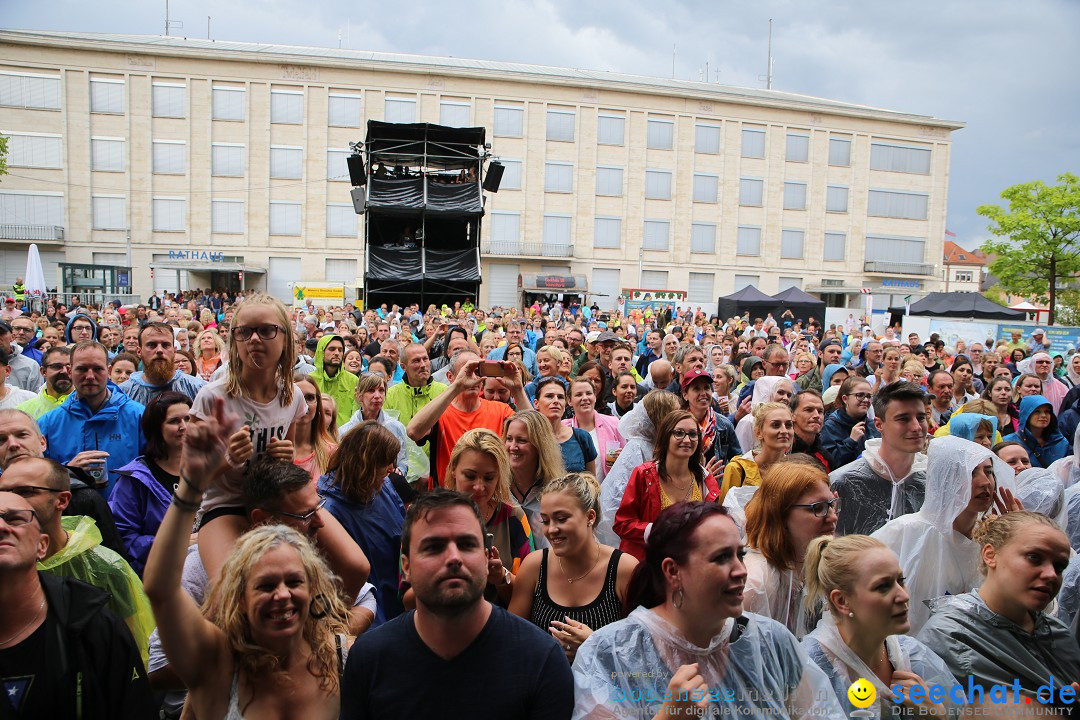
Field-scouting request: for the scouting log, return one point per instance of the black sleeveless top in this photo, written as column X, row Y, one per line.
column 604, row 610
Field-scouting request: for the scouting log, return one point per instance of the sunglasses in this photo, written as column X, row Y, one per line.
column 822, row 507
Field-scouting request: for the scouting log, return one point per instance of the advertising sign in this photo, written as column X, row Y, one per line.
column 322, row 294
column 1061, row 337
column 651, row 302
column 970, row 331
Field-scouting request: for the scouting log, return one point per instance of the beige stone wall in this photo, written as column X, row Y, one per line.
column 140, row 65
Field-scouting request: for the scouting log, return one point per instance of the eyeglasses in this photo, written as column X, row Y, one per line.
column 17, row 518
column 822, row 507
column 80, row 328
column 862, row 396
column 243, row 333
column 306, row 517
column 680, row 434
column 57, row 367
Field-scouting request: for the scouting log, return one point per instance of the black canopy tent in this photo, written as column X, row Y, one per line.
column 749, row 299
column 959, row 305
column 424, row 206
column 801, row 305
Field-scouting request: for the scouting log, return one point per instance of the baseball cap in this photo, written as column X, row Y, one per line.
column 827, row 343
column 608, row 336
column 692, row 375
column 829, row 396
column 1036, row 331
column 9, row 300
column 593, row 336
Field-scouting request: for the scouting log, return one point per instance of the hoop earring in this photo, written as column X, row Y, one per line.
column 319, row 601
column 677, row 598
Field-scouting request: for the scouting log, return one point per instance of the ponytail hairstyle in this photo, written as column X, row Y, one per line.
column 582, row 486
column 998, row 530
column 832, row 564
column 672, row 537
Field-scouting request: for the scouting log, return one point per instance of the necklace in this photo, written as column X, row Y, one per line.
column 36, row 613
column 570, row 580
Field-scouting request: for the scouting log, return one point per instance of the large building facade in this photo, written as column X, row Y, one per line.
column 208, row 164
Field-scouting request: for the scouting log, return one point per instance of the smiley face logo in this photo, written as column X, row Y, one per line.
column 862, row 693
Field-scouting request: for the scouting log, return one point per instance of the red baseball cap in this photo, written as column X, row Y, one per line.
column 692, row 375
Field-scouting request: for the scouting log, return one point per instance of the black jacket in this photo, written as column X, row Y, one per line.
column 93, row 650
column 813, row 449
column 85, row 500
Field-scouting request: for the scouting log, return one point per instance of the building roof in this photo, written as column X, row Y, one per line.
column 399, row 62
column 956, row 255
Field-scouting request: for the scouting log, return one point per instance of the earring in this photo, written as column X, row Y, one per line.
column 677, row 598
column 851, row 614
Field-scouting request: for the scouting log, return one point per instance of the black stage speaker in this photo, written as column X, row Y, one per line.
column 494, row 176
column 356, row 170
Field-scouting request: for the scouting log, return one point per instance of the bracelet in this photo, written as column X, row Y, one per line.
column 185, row 505
column 198, row 491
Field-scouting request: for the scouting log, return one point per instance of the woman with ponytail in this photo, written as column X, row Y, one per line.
column 861, row 635
column 1001, row 633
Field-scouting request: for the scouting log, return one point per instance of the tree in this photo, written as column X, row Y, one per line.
column 1037, row 248
column 3, row 155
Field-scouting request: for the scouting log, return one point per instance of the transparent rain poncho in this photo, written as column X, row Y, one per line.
column 1041, row 492
column 640, row 436
column 764, row 387
column 778, row 594
column 826, row 647
column 936, row 559
column 623, row 670
column 736, row 500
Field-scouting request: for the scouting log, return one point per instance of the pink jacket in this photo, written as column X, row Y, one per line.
column 607, row 430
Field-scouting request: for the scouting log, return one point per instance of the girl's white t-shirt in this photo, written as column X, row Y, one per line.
column 267, row 421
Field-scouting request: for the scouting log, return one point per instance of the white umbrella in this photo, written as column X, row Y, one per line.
column 34, row 279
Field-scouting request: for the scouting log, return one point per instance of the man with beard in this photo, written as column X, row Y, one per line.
column 478, row 657
column 809, row 413
column 159, row 374
column 56, row 369
column 332, row 378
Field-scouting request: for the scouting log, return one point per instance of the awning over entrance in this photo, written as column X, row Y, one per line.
column 531, row 283
column 201, row 267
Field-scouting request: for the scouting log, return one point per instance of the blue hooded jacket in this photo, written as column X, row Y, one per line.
column 830, row 370
column 1055, row 447
column 965, row 425
column 71, row 321
column 115, row 428
column 138, row 505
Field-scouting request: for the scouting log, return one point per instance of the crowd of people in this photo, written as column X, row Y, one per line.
column 212, row 505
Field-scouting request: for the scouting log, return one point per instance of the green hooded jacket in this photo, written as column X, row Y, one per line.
column 341, row 387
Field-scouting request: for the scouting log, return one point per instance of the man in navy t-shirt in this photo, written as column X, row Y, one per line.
column 456, row 652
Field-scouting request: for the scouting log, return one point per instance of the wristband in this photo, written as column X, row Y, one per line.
column 185, row 505
column 198, row 491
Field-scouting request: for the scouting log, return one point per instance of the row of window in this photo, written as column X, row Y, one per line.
column 227, row 160
column 607, row 234
column 169, row 100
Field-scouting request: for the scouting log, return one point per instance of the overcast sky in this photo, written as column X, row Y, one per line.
column 1008, row 69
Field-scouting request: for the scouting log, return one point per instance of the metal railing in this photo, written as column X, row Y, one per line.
column 526, row 248
column 41, row 233
column 899, row 268
column 96, row 298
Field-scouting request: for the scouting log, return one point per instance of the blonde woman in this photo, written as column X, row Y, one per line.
column 774, row 431
column 863, row 634
column 272, row 632
column 370, row 396
column 312, row 443
column 480, row 468
column 548, row 360
column 535, row 458
column 208, row 349
column 578, row 585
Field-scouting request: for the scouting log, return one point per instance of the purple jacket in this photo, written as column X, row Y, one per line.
column 138, row 503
